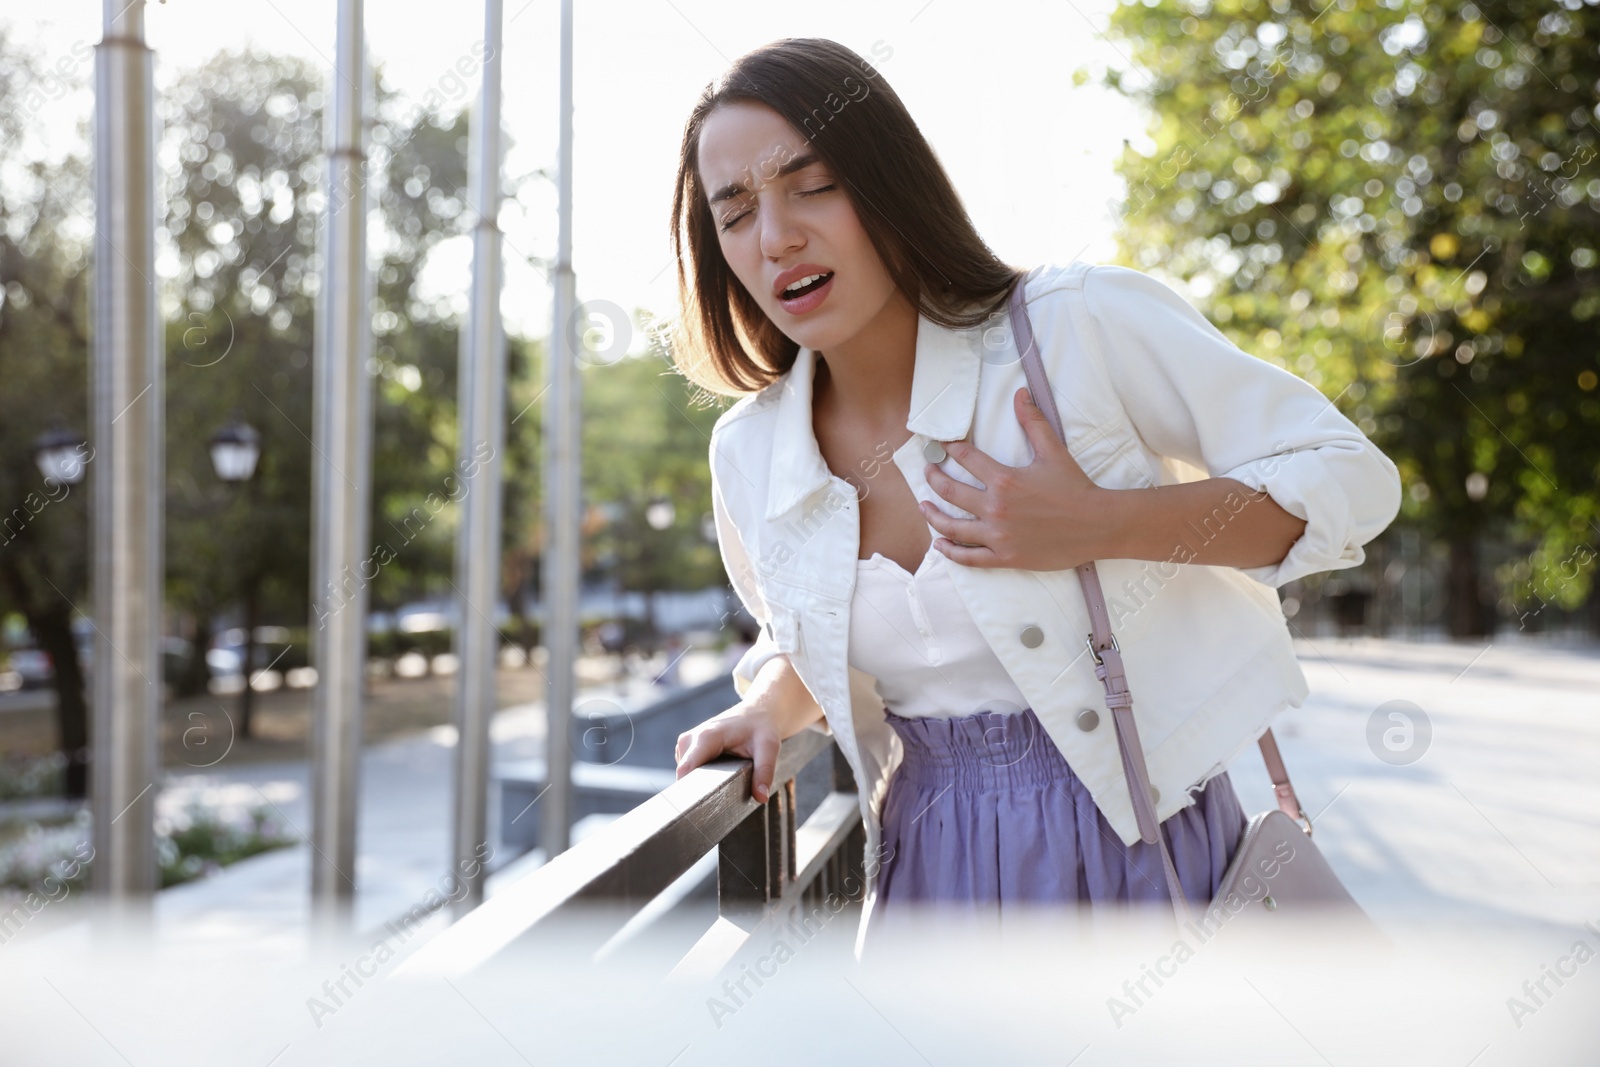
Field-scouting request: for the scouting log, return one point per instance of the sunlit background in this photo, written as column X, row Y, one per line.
column 1030, row 153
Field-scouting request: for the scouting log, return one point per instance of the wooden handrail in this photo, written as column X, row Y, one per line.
column 764, row 859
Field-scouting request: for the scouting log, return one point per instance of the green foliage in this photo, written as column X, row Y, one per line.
column 1399, row 201
column 243, row 147
column 644, row 441
column 245, row 206
column 45, row 246
column 202, row 842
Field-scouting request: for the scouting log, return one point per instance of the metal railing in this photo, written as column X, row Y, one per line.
column 766, row 867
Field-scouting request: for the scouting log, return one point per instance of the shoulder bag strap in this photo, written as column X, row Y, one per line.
column 1103, row 645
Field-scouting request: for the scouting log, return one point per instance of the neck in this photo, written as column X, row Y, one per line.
column 868, row 378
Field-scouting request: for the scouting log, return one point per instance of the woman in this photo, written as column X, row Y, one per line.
column 830, row 275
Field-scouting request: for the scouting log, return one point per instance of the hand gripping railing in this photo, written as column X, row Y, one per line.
column 766, row 866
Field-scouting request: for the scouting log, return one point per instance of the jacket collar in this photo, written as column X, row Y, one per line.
column 944, row 395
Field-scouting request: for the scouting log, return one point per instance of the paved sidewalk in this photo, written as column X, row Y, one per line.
column 1489, row 813
column 261, row 904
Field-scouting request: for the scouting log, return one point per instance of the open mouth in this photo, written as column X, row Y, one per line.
column 811, row 285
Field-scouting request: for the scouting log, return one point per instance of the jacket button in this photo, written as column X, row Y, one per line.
column 1032, row 637
column 1155, row 795
column 933, row 452
column 1088, row 719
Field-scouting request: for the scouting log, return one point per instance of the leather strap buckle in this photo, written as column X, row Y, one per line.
column 1096, row 652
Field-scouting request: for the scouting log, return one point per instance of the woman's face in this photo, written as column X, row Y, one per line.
column 782, row 215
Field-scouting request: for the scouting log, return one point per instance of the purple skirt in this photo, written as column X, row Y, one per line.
column 984, row 811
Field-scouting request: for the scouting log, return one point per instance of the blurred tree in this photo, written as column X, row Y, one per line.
column 46, row 238
column 415, row 349
column 244, row 147
column 1398, row 201
column 644, row 443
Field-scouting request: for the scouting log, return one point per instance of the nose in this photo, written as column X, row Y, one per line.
column 780, row 234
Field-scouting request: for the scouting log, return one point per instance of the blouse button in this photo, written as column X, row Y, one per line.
column 1155, row 795
column 1032, row 637
column 933, row 452
column 1088, row 719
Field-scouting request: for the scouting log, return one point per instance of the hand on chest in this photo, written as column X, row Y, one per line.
column 1016, row 490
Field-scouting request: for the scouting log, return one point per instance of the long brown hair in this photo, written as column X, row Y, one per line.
column 722, row 340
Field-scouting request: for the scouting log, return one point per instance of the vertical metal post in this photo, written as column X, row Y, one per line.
column 341, row 484
column 129, row 410
column 482, row 438
column 561, row 549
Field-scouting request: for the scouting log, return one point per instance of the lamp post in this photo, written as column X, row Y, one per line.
column 60, row 455
column 234, row 451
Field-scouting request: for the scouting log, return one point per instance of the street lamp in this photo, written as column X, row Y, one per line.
column 235, row 449
column 59, row 453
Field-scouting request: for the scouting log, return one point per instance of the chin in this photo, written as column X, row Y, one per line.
column 819, row 336
column 810, row 336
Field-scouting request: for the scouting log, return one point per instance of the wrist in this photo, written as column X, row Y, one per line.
column 1126, row 524
column 779, row 696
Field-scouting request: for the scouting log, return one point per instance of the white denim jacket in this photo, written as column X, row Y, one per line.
column 1150, row 393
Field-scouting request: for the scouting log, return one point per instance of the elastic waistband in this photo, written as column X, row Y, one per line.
column 985, row 750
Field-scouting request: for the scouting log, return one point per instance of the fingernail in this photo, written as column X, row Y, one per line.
column 761, row 793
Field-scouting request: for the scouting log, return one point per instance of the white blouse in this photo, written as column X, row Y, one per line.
column 915, row 636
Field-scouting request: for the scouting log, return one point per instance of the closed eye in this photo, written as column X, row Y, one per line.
column 726, row 226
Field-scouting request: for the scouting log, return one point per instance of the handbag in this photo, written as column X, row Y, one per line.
column 1276, row 870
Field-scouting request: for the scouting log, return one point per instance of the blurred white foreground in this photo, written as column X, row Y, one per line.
column 1034, row 990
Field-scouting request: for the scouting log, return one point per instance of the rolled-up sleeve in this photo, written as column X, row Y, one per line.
column 742, row 576
column 1193, row 394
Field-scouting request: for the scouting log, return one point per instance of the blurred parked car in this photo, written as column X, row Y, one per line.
column 33, row 666
column 37, row 671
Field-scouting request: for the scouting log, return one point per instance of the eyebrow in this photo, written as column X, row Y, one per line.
column 733, row 189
